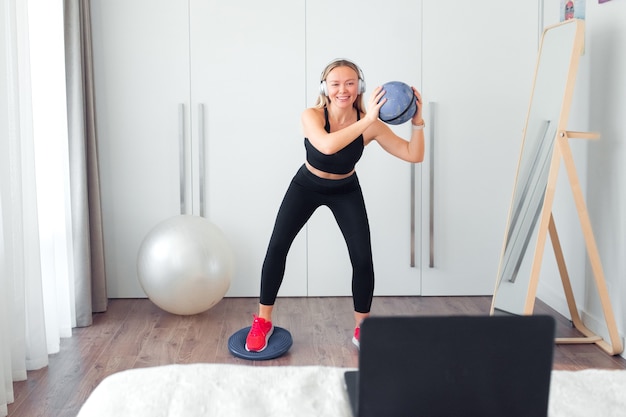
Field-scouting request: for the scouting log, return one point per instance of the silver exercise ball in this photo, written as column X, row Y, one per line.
column 185, row 265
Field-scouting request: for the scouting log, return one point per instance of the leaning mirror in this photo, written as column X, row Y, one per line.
column 548, row 112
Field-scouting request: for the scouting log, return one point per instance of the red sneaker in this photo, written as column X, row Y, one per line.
column 259, row 334
column 356, row 339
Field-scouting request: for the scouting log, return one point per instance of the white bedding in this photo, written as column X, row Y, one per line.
column 238, row 390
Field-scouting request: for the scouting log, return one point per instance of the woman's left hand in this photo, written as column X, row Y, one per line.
column 417, row 119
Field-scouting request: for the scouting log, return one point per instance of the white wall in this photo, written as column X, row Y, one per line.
column 599, row 106
column 606, row 181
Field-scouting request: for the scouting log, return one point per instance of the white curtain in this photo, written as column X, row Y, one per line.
column 22, row 324
column 37, row 250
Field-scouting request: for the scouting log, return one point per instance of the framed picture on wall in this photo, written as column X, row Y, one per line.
column 572, row 9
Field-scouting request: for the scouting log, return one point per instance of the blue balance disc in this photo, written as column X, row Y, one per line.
column 278, row 344
column 401, row 104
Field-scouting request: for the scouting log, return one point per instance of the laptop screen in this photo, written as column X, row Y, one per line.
column 455, row 366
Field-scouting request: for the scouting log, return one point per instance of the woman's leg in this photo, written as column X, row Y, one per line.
column 295, row 210
column 351, row 215
column 297, row 207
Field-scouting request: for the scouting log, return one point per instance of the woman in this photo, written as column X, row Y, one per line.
column 336, row 131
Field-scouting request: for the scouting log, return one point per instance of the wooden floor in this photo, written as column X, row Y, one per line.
column 135, row 333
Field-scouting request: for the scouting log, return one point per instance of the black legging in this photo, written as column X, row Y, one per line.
column 305, row 194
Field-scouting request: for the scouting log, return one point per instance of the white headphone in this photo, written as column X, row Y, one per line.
column 324, row 88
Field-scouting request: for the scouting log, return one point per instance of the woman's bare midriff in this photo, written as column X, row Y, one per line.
column 327, row 175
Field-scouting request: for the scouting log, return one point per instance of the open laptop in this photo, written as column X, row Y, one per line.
column 459, row 366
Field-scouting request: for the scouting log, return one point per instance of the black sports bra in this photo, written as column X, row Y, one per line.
column 342, row 161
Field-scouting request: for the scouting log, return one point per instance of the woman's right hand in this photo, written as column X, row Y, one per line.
column 376, row 101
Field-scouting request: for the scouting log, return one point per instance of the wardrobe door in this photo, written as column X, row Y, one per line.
column 141, row 65
column 247, row 78
column 478, row 67
column 387, row 47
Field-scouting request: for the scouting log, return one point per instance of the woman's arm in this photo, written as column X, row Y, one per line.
column 329, row 143
column 410, row 151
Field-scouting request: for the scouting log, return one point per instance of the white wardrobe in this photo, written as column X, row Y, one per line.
column 478, row 68
column 198, row 106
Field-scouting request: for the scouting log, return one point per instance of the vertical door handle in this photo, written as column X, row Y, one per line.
column 412, row 218
column 202, row 158
column 431, row 189
column 181, row 158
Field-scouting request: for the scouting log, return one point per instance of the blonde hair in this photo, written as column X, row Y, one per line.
column 323, row 101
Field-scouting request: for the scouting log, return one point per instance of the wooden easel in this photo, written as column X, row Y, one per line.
column 615, row 346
